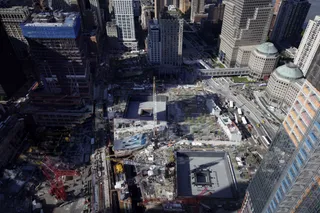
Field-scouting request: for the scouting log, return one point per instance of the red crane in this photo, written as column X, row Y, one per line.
column 195, row 200
column 54, row 176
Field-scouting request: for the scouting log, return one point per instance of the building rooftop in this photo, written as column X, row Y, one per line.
column 228, row 122
column 209, row 174
column 142, row 108
column 267, row 48
column 289, row 70
column 52, row 25
column 134, row 142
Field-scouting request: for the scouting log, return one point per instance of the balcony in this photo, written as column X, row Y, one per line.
column 297, row 133
column 293, row 114
column 306, row 90
column 297, row 106
column 294, row 139
column 301, row 98
column 301, row 126
column 306, row 118
column 290, row 121
column 314, row 100
column 310, row 110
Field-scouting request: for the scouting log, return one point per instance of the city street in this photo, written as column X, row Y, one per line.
column 221, row 86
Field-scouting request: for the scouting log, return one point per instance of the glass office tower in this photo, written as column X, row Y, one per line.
column 288, row 179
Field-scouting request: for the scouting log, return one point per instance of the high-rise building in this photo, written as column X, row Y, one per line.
column 283, row 86
column 147, row 14
column 154, row 43
column 125, row 23
column 60, row 54
column 288, row 178
column 184, row 5
column 245, row 22
column 11, row 18
column 275, row 13
column 171, row 32
column 215, row 13
column 197, row 7
column 309, row 45
column 288, row 26
column 11, row 77
column 263, row 59
column 58, row 49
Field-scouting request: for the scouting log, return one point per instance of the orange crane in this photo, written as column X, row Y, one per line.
column 54, row 176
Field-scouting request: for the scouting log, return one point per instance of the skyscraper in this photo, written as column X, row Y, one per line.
column 154, row 43
column 11, row 76
column 158, row 7
column 309, row 45
column 11, row 18
column 288, row 178
column 125, row 23
column 171, row 31
column 288, row 26
column 245, row 22
column 197, row 7
column 58, row 49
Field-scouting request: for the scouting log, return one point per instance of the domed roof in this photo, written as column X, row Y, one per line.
column 267, row 48
column 289, row 70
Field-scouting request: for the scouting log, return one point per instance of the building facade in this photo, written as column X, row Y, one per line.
column 288, row 178
column 12, row 135
column 282, row 83
column 154, row 42
column 124, row 16
column 58, row 49
column 245, row 22
column 60, row 55
column 309, row 45
column 263, row 60
column 197, row 7
column 171, row 28
column 290, row 18
column 11, row 19
column 230, row 129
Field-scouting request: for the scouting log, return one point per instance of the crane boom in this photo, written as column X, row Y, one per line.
column 154, row 105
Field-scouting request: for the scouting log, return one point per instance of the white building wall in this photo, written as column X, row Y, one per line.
column 124, row 19
column 245, row 22
column 261, row 66
column 309, row 45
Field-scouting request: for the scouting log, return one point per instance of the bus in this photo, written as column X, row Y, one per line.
column 266, row 140
column 231, row 104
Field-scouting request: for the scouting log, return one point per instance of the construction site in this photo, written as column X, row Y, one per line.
column 165, row 150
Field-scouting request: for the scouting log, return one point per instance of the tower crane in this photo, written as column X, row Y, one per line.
column 54, row 176
column 155, row 111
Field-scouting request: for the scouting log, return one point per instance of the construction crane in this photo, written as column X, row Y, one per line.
column 54, row 176
column 195, row 200
column 134, row 163
column 155, row 111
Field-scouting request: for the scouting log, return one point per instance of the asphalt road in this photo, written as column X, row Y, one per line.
column 255, row 116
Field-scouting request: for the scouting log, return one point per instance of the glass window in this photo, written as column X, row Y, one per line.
column 284, row 186
column 291, row 174
column 308, row 144
column 295, row 168
column 299, row 160
column 313, row 137
column 274, row 204
column 303, row 153
column 278, row 195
